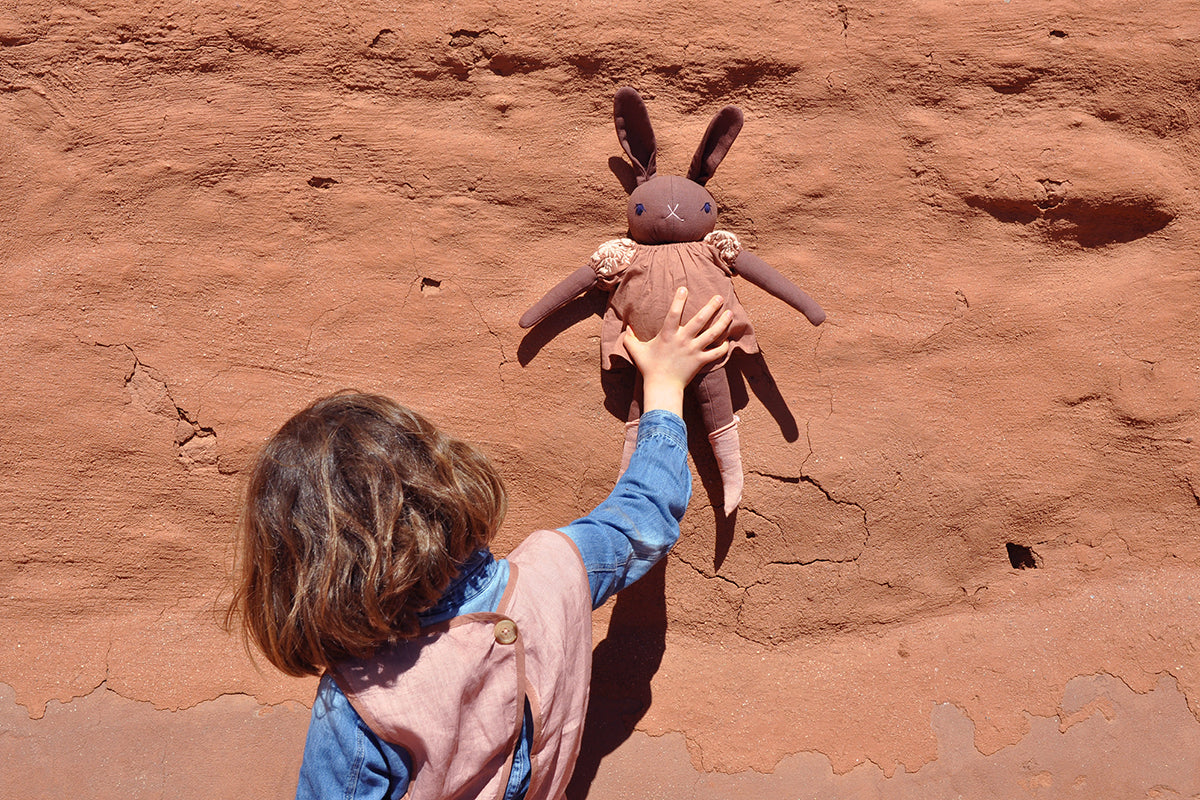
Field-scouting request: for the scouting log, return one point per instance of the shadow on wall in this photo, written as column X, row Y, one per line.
column 589, row 304
column 743, row 369
column 624, row 663
column 622, row 668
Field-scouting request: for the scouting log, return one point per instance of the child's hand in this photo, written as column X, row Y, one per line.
column 670, row 360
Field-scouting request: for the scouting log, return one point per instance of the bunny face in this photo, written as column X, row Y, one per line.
column 664, row 209
column 668, row 209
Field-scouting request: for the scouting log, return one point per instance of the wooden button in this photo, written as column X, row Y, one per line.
column 506, row 631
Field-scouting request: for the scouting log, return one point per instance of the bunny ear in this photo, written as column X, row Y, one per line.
column 634, row 132
column 717, row 140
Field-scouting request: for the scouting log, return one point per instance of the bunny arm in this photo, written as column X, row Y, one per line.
column 767, row 278
column 568, row 288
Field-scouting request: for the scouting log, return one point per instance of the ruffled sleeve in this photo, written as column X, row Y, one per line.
column 611, row 259
column 727, row 246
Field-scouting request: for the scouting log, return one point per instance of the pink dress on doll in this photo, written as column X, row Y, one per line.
column 642, row 279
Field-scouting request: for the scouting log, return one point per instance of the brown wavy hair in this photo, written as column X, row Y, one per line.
column 357, row 515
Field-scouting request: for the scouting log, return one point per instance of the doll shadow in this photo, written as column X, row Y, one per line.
column 623, row 664
column 590, row 303
column 624, row 173
column 752, row 368
column 742, row 369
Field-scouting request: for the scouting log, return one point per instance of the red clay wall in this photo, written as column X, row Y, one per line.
column 211, row 213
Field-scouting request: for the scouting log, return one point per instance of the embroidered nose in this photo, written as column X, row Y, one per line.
column 673, row 209
column 506, row 631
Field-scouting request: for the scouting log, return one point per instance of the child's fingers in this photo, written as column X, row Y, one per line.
column 675, row 312
column 715, row 353
column 705, row 316
column 716, row 329
column 632, row 344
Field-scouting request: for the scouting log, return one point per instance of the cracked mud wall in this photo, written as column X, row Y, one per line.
column 212, row 213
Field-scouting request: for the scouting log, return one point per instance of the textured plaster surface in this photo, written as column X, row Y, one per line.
column 211, row 213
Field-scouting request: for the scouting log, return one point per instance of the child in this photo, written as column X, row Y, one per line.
column 447, row 673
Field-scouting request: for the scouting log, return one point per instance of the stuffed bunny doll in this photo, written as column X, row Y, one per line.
column 673, row 242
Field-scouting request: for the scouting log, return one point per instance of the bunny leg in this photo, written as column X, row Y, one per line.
column 716, row 408
column 631, row 426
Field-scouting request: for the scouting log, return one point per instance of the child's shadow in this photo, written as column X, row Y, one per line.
column 622, row 668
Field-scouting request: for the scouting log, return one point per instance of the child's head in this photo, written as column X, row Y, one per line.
column 358, row 514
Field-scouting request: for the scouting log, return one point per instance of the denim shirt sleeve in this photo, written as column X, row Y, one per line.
column 343, row 759
column 639, row 522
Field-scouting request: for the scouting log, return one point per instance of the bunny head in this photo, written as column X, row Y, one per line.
column 666, row 208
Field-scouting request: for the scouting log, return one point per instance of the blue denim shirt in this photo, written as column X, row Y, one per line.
column 620, row 540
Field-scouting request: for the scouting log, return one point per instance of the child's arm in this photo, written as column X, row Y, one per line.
column 639, row 522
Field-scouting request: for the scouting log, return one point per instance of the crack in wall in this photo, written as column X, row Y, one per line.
column 196, row 443
column 1191, row 487
column 495, row 335
column 104, row 685
column 811, row 481
column 713, row 575
column 312, row 328
column 740, row 603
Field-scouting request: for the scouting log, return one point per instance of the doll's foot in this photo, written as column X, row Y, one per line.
column 631, row 431
column 728, row 452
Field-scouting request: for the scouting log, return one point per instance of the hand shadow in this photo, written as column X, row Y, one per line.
column 623, row 665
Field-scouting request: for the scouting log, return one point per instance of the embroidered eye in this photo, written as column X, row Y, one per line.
column 708, row 208
column 639, row 209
